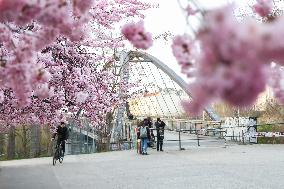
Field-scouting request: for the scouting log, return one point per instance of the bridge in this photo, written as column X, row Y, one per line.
column 196, row 151
column 158, row 92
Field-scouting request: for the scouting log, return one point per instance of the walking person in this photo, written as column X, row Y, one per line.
column 160, row 127
column 144, row 136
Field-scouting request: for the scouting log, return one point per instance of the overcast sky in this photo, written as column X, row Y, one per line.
column 169, row 17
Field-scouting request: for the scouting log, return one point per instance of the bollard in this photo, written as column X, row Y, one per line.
column 243, row 139
column 196, row 132
column 179, row 140
column 273, row 142
column 80, row 143
column 197, row 139
column 88, row 141
column 225, row 144
column 207, row 132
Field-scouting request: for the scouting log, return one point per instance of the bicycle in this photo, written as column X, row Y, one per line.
column 58, row 154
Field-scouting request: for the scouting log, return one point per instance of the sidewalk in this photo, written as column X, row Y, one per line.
column 235, row 167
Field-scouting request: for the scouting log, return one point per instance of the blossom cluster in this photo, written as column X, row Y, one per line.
column 48, row 65
column 231, row 64
column 136, row 34
column 263, row 7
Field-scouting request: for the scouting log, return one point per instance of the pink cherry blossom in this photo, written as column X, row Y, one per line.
column 276, row 82
column 263, row 7
column 82, row 6
column 18, row 77
column 8, row 9
column 201, row 96
column 45, row 62
column 2, row 96
column 81, row 97
column 190, row 10
column 136, row 34
column 182, row 48
column 43, row 91
column 229, row 62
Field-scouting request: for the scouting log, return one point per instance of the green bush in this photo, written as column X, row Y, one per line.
column 270, row 140
column 270, row 128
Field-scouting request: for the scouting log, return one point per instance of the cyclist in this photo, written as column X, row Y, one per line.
column 62, row 135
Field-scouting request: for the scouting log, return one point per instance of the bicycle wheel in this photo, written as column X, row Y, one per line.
column 55, row 156
column 54, row 159
column 60, row 160
column 60, row 157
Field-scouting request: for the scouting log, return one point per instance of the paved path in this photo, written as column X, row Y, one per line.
column 234, row 167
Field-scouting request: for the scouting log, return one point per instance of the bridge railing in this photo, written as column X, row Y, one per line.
column 180, row 138
column 265, row 133
column 200, row 136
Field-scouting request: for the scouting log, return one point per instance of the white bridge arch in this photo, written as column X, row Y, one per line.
column 125, row 59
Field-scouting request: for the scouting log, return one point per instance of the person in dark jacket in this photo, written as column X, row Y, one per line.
column 144, row 135
column 160, row 127
column 152, row 139
column 139, row 124
column 62, row 135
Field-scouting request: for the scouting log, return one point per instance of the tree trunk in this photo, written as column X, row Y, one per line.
column 11, row 143
column 2, row 144
column 109, row 126
column 35, row 141
column 49, row 145
column 25, row 142
column 106, row 143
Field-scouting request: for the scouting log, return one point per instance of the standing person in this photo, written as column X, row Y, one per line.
column 150, row 123
column 160, row 127
column 62, row 135
column 144, row 135
column 152, row 139
column 137, row 129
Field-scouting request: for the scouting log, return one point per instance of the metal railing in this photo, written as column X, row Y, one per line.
column 199, row 136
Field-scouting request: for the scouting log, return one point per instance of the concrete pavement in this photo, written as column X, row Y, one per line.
column 240, row 167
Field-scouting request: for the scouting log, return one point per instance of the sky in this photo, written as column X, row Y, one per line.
column 169, row 17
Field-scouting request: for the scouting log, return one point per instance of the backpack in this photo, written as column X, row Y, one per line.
column 161, row 131
column 143, row 132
